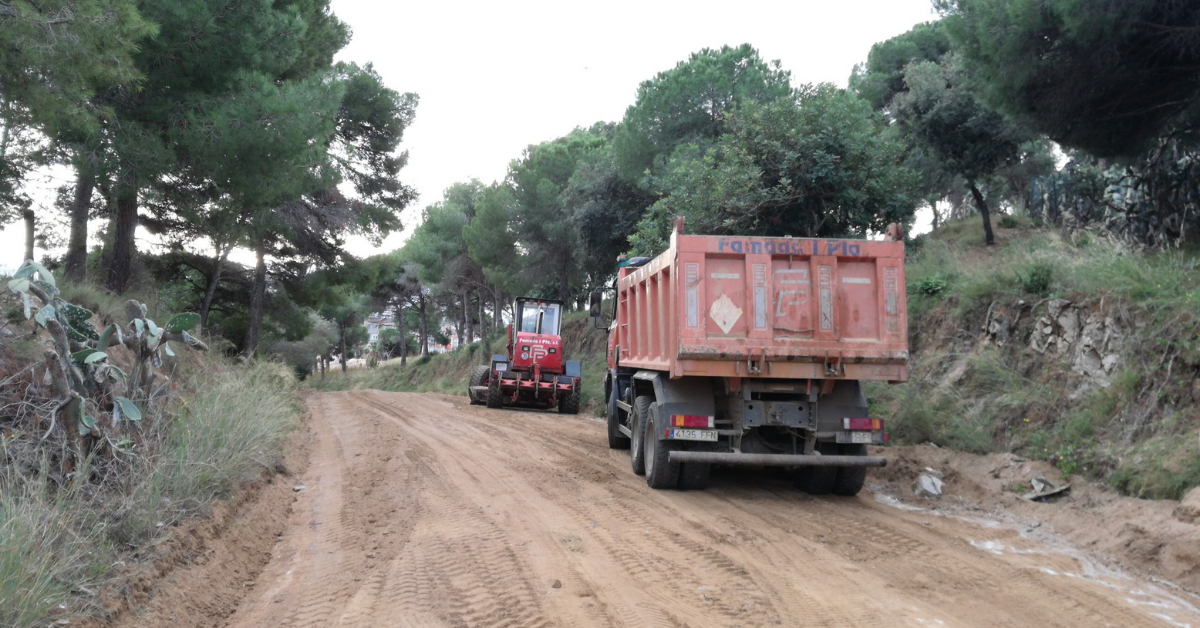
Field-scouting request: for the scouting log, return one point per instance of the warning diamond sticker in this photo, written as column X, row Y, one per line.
column 724, row 313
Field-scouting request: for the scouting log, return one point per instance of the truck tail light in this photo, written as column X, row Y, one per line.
column 871, row 425
column 691, row 420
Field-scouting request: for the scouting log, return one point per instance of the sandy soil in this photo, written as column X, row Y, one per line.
column 420, row 510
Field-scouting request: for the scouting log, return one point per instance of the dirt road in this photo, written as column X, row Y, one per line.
column 420, row 510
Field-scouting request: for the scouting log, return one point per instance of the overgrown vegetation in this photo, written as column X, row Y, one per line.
column 60, row 536
column 980, row 383
column 109, row 437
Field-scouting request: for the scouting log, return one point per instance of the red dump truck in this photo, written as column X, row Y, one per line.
column 753, row 350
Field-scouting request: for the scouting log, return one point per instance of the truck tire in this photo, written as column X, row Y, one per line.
column 637, row 426
column 616, row 440
column 569, row 404
column 817, row 480
column 850, row 479
column 479, row 377
column 495, row 397
column 693, row 476
column 661, row 473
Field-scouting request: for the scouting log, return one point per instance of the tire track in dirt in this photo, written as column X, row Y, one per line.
column 422, row 510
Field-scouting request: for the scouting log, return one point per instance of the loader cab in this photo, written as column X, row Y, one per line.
column 538, row 316
column 534, row 341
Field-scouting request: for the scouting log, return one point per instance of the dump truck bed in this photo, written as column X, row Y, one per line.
column 767, row 307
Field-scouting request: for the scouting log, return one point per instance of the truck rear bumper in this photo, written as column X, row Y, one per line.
column 777, row 460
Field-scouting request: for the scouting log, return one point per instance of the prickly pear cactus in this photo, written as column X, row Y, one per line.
column 85, row 371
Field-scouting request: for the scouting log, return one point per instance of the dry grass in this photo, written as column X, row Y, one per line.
column 222, row 426
column 48, row 547
column 967, row 395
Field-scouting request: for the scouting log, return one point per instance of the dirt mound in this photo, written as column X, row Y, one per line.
column 203, row 569
column 1158, row 538
column 582, row 340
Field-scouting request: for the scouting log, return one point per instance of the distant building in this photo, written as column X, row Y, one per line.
column 375, row 323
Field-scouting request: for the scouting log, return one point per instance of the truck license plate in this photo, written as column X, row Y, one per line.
column 861, row 437
column 708, row 435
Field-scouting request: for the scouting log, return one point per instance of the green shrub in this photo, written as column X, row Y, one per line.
column 1036, row 278
column 1008, row 222
column 931, row 286
column 1162, row 468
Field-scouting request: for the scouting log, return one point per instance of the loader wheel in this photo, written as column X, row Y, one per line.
column 569, row 404
column 495, row 398
column 637, row 450
column 817, row 480
column 850, row 479
column 660, row 472
column 616, row 440
column 479, row 377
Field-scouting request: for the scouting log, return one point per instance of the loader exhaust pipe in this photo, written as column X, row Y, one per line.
column 777, row 460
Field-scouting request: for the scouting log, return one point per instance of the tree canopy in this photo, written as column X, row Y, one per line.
column 690, row 102
column 1106, row 76
column 824, row 164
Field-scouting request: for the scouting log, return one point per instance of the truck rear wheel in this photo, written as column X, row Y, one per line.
column 693, row 476
column 616, row 440
column 569, row 404
column 495, row 397
column 660, row 471
column 637, row 427
column 850, row 479
column 817, row 480
column 479, row 377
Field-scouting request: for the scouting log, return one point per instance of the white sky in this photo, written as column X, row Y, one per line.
column 495, row 77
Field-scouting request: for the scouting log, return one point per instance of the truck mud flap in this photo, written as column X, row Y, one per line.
column 777, row 460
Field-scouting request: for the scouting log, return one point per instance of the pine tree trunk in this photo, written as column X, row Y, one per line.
column 468, row 318
column 214, row 281
column 403, row 335
column 342, row 345
column 933, row 206
column 424, row 327
column 30, row 225
column 257, row 297
column 988, row 237
column 498, row 307
column 322, row 361
column 483, row 316
column 76, row 261
column 564, row 287
column 126, row 221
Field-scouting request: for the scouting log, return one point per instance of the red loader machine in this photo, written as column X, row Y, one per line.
column 533, row 374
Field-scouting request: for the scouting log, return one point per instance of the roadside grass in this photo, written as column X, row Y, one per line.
column 226, row 424
column 447, row 373
column 227, row 429
column 1139, row 433
column 1036, row 263
column 1160, row 468
column 48, row 547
